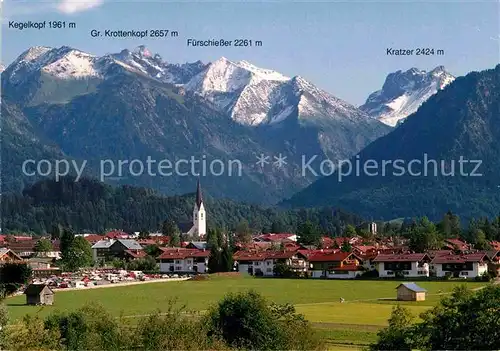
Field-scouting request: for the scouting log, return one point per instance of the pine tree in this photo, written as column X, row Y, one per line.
column 308, row 233
column 169, row 228
column 67, row 239
column 56, row 232
column 144, row 234
column 214, row 260
column 243, row 232
column 175, row 239
column 226, row 259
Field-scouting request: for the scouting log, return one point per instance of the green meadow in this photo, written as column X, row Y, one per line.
column 352, row 324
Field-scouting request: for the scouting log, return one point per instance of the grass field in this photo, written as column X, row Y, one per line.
column 348, row 325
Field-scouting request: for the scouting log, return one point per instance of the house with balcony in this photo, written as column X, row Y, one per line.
column 251, row 262
column 108, row 249
column 293, row 260
column 264, row 262
column 182, row 260
column 9, row 256
column 335, row 265
column 25, row 248
column 461, row 266
column 402, row 265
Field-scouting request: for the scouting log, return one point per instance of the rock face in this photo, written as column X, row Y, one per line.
column 457, row 125
column 134, row 105
column 404, row 92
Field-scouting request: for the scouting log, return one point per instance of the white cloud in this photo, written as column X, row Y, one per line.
column 74, row 6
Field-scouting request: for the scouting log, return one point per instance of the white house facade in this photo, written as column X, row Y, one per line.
column 402, row 265
column 461, row 266
column 184, row 261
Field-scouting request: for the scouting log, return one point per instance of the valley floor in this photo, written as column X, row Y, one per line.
column 352, row 324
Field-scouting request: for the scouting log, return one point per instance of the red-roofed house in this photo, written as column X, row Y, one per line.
column 134, row 254
column 494, row 265
column 254, row 246
column 264, row 262
column 93, row 238
column 250, row 261
column 7, row 255
column 22, row 237
column 406, row 265
column 180, row 260
column 337, row 242
column 309, row 253
column 495, row 245
column 24, row 248
column 335, row 265
column 117, row 234
column 467, row 265
column 452, row 244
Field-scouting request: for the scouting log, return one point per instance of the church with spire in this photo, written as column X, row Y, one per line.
column 198, row 227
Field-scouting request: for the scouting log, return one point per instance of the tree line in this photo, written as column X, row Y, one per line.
column 239, row 321
column 94, row 207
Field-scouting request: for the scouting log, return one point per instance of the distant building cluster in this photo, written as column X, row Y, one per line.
column 272, row 254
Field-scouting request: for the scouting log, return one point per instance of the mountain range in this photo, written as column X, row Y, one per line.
column 65, row 103
column 458, row 124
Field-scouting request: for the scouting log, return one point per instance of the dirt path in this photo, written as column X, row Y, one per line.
column 363, row 327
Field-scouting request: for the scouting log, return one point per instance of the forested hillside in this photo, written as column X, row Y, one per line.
column 91, row 206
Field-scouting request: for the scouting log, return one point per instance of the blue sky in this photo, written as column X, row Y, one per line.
column 339, row 46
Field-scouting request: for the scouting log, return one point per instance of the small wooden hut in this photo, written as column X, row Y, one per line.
column 411, row 292
column 39, row 294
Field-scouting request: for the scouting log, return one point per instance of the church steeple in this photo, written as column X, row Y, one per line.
column 199, row 196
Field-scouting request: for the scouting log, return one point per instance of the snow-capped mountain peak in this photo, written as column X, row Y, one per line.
column 33, row 53
column 68, row 63
column 142, row 51
column 262, row 73
column 403, row 92
column 249, row 94
column 63, row 63
column 253, row 96
column 72, row 64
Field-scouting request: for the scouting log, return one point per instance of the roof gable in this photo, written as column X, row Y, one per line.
column 5, row 251
column 412, row 286
column 36, row 289
column 462, row 258
column 180, row 254
column 130, row 244
column 103, row 244
column 410, row 257
column 331, row 257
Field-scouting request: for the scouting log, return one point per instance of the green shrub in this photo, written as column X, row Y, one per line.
column 247, row 321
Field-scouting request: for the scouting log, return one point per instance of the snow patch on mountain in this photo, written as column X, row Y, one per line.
column 404, row 92
column 68, row 63
column 73, row 64
column 153, row 65
column 241, row 89
column 250, row 95
column 255, row 96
